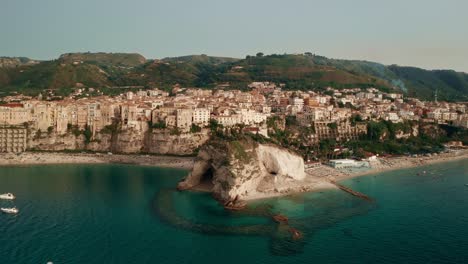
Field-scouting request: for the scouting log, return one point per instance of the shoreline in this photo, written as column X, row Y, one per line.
column 326, row 174
column 51, row 158
column 400, row 163
column 318, row 179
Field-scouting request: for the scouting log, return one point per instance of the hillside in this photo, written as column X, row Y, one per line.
column 101, row 58
column 450, row 85
column 70, row 69
column 416, row 82
column 10, row 62
column 197, row 59
column 51, row 75
column 297, row 72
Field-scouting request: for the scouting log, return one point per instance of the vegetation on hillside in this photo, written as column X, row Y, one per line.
column 297, row 72
column 101, row 58
column 383, row 138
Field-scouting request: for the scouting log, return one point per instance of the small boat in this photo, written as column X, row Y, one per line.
column 9, row 210
column 466, row 184
column 7, row 196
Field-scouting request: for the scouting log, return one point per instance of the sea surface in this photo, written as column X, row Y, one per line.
column 132, row 214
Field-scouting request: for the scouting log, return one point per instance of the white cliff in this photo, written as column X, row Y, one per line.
column 280, row 162
column 246, row 170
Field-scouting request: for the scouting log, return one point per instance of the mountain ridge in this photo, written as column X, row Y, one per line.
column 297, row 71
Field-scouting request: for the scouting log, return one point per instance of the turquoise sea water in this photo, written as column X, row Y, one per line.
column 132, row 214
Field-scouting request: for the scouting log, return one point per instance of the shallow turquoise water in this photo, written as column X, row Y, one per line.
column 131, row 214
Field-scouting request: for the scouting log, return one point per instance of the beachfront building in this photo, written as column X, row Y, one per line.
column 13, row 139
column 347, row 164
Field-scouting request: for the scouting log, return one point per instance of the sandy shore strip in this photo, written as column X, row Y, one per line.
column 319, row 178
column 398, row 163
column 36, row 158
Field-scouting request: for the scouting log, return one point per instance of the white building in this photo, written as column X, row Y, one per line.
column 228, row 120
column 298, row 103
column 201, row 116
column 348, row 163
column 184, row 119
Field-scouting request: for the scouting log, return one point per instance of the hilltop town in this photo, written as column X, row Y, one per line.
column 300, row 120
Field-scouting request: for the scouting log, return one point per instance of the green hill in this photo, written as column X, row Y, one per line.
column 415, row 82
column 297, row 72
column 450, row 85
column 51, row 75
column 101, row 58
column 203, row 59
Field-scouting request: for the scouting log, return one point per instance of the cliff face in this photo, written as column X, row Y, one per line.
column 141, row 140
column 162, row 142
column 242, row 169
column 52, row 142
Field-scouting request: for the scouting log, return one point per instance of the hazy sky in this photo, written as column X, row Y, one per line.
column 426, row 33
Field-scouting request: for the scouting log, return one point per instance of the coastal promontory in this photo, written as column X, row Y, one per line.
column 245, row 169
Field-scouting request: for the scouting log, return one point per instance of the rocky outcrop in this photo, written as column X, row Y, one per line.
column 240, row 169
column 414, row 132
column 281, row 162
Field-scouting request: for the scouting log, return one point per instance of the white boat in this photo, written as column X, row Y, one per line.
column 7, row 196
column 10, row 210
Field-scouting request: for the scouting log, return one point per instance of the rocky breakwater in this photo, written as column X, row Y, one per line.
column 244, row 170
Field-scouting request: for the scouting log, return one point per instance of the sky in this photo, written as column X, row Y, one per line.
column 431, row 34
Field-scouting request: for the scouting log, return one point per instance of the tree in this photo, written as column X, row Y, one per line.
column 291, row 121
column 175, row 131
column 355, row 118
column 88, row 134
column 333, row 125
column 260, row 54
column 195, row 129
column 213, row 125
column 159, row 125
column 375, row 130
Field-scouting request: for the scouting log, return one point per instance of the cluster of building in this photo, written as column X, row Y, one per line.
column 329, row 113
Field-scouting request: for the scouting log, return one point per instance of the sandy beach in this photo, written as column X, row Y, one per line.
column 320, row 177
column 36, row 158
column 397, row 163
